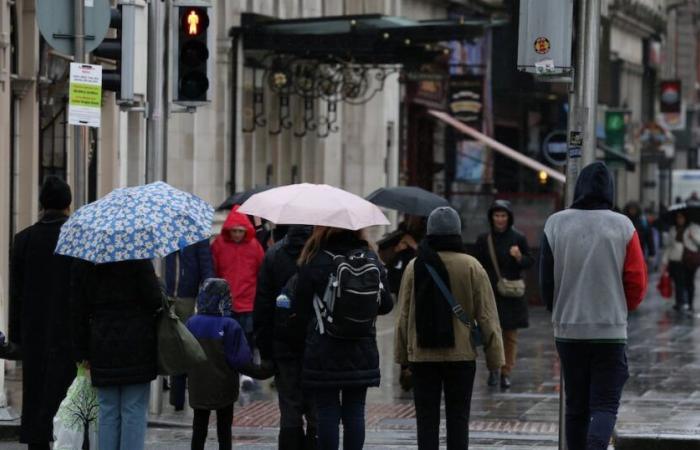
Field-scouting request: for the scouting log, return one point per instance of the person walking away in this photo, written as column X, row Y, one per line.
column 280, row 340
column 114, row 309
column 432, row 338
column 681, row 258
column 341, row 359
column 39, row 312
column 646, row 237
column 214, row 385
column 592, row 273
column 185, row 270
column 237, row 256
column 504, row 253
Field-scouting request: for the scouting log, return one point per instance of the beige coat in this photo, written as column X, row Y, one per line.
column 471, row 287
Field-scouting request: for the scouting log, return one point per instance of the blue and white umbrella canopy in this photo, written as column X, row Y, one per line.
column 140, row 222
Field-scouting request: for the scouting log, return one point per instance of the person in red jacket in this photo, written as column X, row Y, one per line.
column 237, row 258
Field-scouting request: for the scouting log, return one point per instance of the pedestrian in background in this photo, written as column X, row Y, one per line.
column 39, row 314
column 185, row 270
column 681, row 257
column 214, row 385
column 504, row 253
column 338, row 370
column 646, row 237
column 114, row 309
column 280, row 338
column 434, row 341
column 237, row 256
column 592, row 273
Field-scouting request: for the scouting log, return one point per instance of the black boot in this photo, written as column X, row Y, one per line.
column 493, row 378
column 311, row 439
column 291, row 438
column 505, row 381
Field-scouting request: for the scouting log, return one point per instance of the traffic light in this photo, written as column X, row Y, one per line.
column 192, row 62
column 120, row 49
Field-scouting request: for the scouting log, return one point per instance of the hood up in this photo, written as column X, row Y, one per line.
column 214, row 298
column 502, row 205
column 236, row 219
column 595, row 188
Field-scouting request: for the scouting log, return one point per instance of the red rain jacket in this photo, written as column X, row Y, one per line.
column 238, row 262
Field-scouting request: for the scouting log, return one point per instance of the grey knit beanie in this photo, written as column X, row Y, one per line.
column 444, row 221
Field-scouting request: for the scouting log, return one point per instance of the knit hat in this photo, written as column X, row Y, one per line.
column 55, row 194
column 444, row 221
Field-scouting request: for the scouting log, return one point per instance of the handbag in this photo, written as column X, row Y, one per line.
column 506, row 288
column 178, row 350
column 474, row 329
column 665, row 286
column 691, row 259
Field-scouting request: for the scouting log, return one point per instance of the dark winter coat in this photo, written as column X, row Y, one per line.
column 187, row 269
column 330, row 362
column 39, row 323
column 512, row 312
column 238, row 262
column 279, row 265
column 214, row 385
column 114, row 315
column 641, row 224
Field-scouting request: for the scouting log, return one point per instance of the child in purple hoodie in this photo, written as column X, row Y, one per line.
column 213, row 386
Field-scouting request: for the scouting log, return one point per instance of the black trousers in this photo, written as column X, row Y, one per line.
column 296, row 408
column 430, row 380
column 684, row 283
column 200, row 426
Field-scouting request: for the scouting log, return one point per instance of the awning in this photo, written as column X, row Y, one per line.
column 503, row 149
column 366, row 39
column 611, row 153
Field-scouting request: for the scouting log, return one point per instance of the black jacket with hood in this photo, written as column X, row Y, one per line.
column 279, row 265
column 511, row 311
column 644, row 230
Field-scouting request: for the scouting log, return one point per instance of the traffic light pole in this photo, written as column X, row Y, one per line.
column 78, row 131
column 583, row 102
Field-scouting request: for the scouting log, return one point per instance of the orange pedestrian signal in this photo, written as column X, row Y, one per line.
column 193, row 23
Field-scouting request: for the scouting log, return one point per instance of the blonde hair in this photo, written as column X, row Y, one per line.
column 320, row 236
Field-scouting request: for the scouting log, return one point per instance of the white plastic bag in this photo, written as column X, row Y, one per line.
column 78, row 410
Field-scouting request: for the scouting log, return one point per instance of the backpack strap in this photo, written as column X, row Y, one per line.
column 456, row 307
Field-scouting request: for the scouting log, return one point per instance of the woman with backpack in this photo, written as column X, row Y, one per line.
column 341, row 359
column 434, row 340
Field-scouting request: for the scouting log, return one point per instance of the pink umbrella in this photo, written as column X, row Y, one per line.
column 314, row 204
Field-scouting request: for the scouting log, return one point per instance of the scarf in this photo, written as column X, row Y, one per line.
column 433, row 313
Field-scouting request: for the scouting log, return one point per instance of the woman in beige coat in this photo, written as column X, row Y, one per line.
column 433, row 341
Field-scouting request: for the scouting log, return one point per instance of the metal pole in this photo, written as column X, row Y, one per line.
column 583, row 102
column 78, row 131
column 154, row 132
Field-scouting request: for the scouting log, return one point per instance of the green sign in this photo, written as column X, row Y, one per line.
column 85, row 95
column 615, row 133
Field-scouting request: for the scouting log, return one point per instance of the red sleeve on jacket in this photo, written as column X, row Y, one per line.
column 634, row 274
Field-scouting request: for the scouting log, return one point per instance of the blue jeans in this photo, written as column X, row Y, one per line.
column 594, row 375
column 123, row 416
column 331, row 410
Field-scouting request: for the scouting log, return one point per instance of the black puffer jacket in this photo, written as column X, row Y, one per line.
column 279, row 265
column 512, row 312
column 330, row 362
column 114, row 315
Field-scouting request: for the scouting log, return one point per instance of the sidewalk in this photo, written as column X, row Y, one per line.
column 661, row 398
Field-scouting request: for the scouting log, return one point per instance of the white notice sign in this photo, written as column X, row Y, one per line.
column 85, row 95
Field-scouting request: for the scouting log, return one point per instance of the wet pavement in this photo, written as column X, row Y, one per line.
column 661, row 398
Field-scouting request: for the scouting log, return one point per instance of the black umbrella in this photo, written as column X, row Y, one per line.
column 407, row 199
column 239, row 197
column 691, row 210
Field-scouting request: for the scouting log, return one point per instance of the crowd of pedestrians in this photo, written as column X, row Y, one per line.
column 309, row 305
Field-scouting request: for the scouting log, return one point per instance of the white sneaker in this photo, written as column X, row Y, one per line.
column 247, row 383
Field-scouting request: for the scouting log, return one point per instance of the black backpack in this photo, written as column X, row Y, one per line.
column 348, row 309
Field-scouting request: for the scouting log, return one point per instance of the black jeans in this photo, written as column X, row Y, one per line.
column 200, row 426
column 430, row 379
column 683, row 282
column 594, row 375
column 331, row 410
column 295, row 405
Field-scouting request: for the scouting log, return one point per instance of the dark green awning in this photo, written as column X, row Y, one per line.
column 370, row 38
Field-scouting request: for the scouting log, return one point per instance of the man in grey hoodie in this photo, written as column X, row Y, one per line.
column 592, row 273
